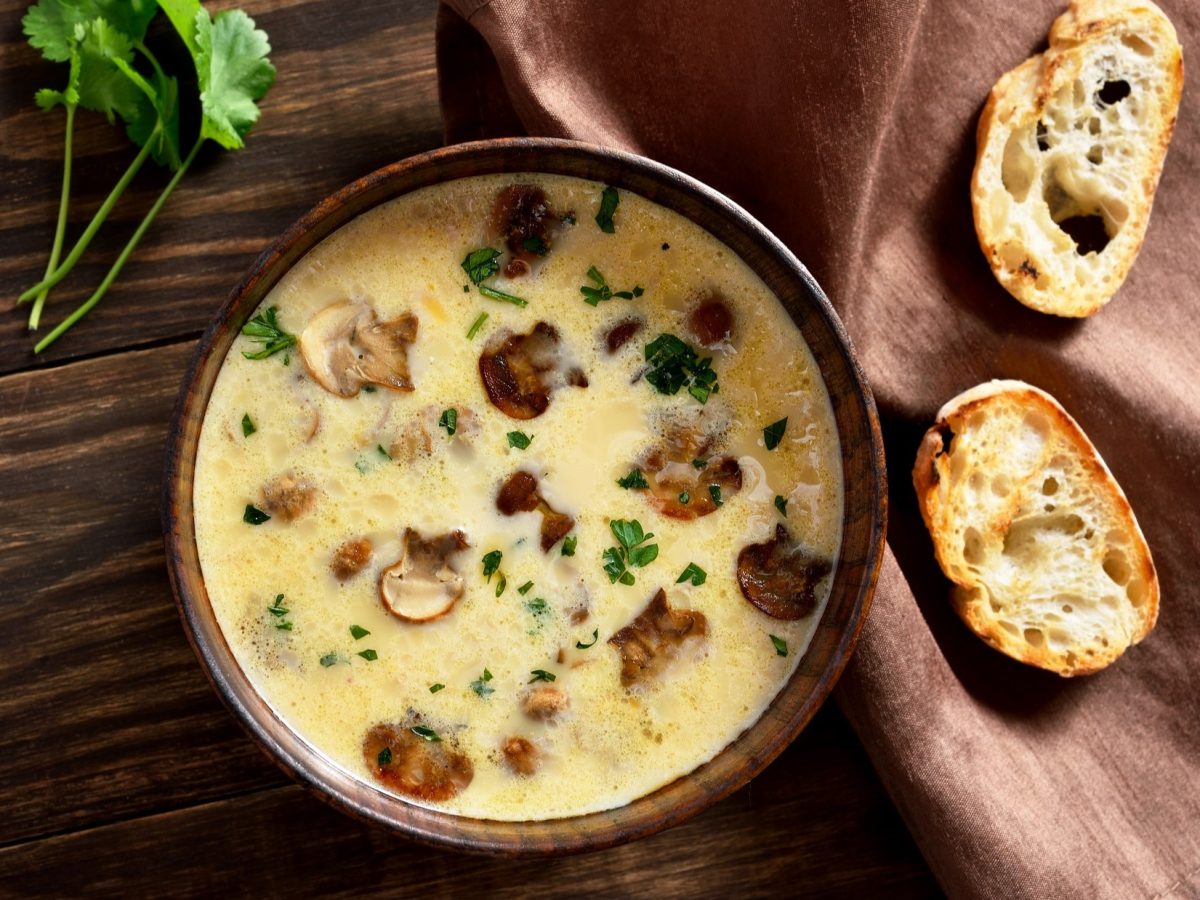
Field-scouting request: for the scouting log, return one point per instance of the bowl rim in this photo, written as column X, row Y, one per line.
column 304, row 763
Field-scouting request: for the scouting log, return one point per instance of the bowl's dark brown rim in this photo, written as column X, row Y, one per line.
column 671, row 803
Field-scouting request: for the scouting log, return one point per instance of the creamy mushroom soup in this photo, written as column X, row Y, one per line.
column 519, row 497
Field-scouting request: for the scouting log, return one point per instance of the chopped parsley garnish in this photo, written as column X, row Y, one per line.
column 635, row 479
column 254, row 516
column 480, row 685
column 384, row 757
column 368, row 655
column 685, row 498
column 524, row 589
column 434, row 688
column 570, row 542
column 264, row 329
column 609, row 198
column 519, row 439
column 692, row 573
column 780, row 645
column 580, row 645
column 379, row 449
column 248, row 426
column 535, row 244
column 278, row 610
column 449, row 421
column 781, row 505
column 599, row 291
column 482, row 263
column 491, row 563
column 633, row 550
column 477, row 324
column 358, row 632
column 426, row 732
column 773, row 433
column 329, row 659
column 674, row 364
column 714, row 491
column 494, row 294
column 501, row 584
column 541, row 675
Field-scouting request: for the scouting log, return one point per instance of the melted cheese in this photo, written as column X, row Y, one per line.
column 615, row 744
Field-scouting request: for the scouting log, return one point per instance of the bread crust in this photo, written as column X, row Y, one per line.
column 933, row 482
column 1036, row 261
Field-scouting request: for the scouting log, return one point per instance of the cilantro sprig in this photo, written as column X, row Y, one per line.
column 632, row 550
column 264, row 329
column 674, row 364
column 599, row 291
column 481, row 265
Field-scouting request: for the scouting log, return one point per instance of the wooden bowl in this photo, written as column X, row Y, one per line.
column 853, row 580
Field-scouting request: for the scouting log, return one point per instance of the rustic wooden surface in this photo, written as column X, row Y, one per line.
column 120, row 772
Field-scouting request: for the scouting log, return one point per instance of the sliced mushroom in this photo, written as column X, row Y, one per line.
column 521, row 371
column 711, row 322
column 545, row 702
column 350, row 558
column 780, row 577
column 523, row 219
column 652, row 640
column 520, row 493
column 415, row 765
column 423, row 585
column 288, row 496
column 622, row 333
column 345, row 346
column 680, row 489
column 521, row 755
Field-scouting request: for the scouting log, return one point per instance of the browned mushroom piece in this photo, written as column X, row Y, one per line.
column 711, row 322
column 521, row 755
column 422, row 764
column 523, row 219
column 424, row 584
column 651, row 641
column 350, row 558
column 345, row 346
column 680, row 489
column 419, row 435
column 288, row 496
column 519, row 493
column 622, row 333
column 545, row 702
column 780, row 577
column 520, row 372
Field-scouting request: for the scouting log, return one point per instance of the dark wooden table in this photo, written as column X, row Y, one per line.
column 120, row 771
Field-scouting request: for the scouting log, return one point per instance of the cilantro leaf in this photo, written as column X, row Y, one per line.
column 541, row 675
column 424, row 731
column 519, row 440
column 233, row 74
column 491, row 563
column 481, row 264
column 580, row 645
column 673, row 364
column 773, row 433
column 781, row 505
column 480, row 684
column 780, row 645
column 694, row 574
column 449, row 421
column 49, row 26
column 634, row 480
column 569, row 544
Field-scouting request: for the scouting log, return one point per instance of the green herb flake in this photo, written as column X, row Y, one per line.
column 358, row 632
column 477, row 324
column 277, row 608
column 609, row 199
column 254, row 516
column 284, row 626
column 685, row 498
column 579, row 645
column 449, row 421
column 569, row 544
column 385, row 756
column 780, row 645
column 633, row 551
column 493, row 294
column 674, row 364
column 480, row 684
column 714, row 491
column 265, row 330
column 694, row 574
column 537, row 606
column 329, row 659
column 599, row 291
column 524, row 589
column 541, row 675
column 482, row 263
column 369, row 655
column 773, row 433
column 424, row 731
column 434, row 688
column 634, row 480
column 501, row 584
column 379, row 449
column 248, row 426
column 491, row 563
column 781, row 505
column 519, row 439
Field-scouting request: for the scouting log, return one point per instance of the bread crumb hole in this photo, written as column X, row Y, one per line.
column 1034, row 637
column 1136, row 591
column 1050, row 486
column 1010, row 628
column 1068, row 608
column 973, row 551
column 1137, row 44
column 1087, row 231
column 976, row 480
column 1116, row 567
column 1042, row 143
column 1001, row 485
column 1112, row 92
column 1096, row 155
column 1017, row 168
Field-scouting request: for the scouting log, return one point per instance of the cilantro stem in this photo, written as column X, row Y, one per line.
column 125, row 253
column 60, row 229
column 93, row 226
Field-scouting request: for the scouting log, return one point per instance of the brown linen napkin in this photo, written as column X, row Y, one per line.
column 848, row 129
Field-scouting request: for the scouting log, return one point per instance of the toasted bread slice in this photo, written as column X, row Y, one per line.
column 1047, row 559
column 1069, row 150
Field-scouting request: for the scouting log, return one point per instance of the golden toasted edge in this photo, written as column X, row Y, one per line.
column 928, row 471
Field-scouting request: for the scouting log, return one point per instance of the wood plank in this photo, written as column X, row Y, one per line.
column 356, row 89
column 797, row 830
column 114, row 720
